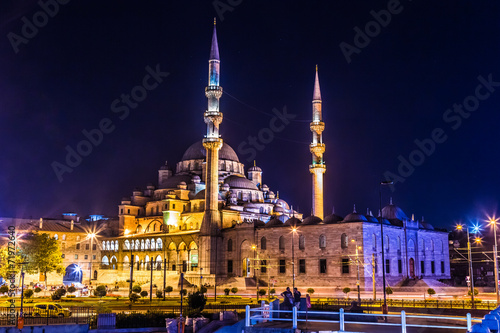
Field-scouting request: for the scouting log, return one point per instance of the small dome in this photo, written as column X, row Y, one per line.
column 265, row 188
column 240, row 182
column 196, row 179
column 255, row 168
column 274, row 222
column 259, row 223
column 293, row 221
column 197, row 152
column 312, row 220
column 333, row 218
column 425, row 225
column 355, row 217
column 201, row 196
column 371, row 218
column 282, row 203
column 392, row 211
column 225, row 187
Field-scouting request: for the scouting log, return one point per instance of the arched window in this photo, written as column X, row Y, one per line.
column 282, row 243
column 142, row 244
column 116, row 245
column 159, row 244
column 105, row 260
column 147, row 244
column 56, row 237
column 127, row 245
column 77, row 238
column 432, row 246
column 442, row 247
column 411, row 245
column 344, row 243
column 263, row 243
column 302, row 242
column 399, row 245
column 229, row 245
column 153, row 245
column 64, row 237
column 112, row 246
column 95, row 275
column 322, row 242
column 137, row 246
column 386, row 243
column 374, row 242
column 126, row 260
column 103, row 245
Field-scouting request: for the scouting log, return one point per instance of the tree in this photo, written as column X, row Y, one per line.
column 431, row 292
column 309, row 291
column 262, row 292
column 197, row 301
column 28, row 293
column 71, row 289
column 134, row 297
column 203, row 289
column 273, row 291
column 38, row 289
column 226, row 291
column 144, row 293
column 8, row 266
column 56, row 295
column 389, row 291
column 159, row 294
column 42, row 254
column 4, row 289
column 234, row 290
column 136, row 289
column 346, row 291
column 476, row 292
column 169, row 289
column 100, row 291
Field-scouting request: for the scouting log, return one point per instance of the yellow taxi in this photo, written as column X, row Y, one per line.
column 50, row 310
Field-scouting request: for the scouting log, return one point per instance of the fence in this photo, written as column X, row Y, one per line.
column 79, row 315
column 408, row 303
column 265, row 313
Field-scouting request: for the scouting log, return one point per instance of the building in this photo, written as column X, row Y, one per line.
column 215, row 223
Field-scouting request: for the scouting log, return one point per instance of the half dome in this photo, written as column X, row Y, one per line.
column 240, row 182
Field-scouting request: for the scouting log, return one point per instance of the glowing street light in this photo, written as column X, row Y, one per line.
column 493, row 223
column 460, row 227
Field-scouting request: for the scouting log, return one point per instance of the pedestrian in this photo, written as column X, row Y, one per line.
column 296, row 297
column 287, row 299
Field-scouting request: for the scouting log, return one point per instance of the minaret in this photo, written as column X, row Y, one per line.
column 211, row 225
column 317, row 148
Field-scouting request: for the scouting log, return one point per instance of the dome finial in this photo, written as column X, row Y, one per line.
column 413, row 217
column 215, row 21
column 253, row 162
column 354, row 209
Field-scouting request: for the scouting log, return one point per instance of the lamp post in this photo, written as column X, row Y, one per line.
column 357, row 264
column 91, row 236
column 294, row 230
column 254, row 248
column 493, row 222
column 384, row 307
column 127, row 232
column 469, row 259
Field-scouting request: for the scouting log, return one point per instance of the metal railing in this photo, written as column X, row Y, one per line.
column 265, row 313
column 10, row 316
column 407, row 303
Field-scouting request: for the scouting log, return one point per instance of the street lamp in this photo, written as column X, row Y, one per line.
column 386, row 182
column 460, row 227
column 493, row 222
column 91, row 236
column 127, row 232
column 357, row 264
column 294, row 230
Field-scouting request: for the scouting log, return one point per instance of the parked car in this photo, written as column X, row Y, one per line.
column 50, row 310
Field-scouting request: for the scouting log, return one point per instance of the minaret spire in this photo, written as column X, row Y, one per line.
column 211, row 225
column 317, row 148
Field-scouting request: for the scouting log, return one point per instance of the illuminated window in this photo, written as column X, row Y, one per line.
column 86, row 257
column 322, row 242
column 87, row 246
column 56, row 237
column 343, row 241
column 64, row 237
column 62, row 255
column 77, row 238
column 76, row 256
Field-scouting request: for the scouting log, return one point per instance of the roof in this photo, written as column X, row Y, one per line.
column 55, row 226
column 312, row 220
column 333, row 218
column 197, row 152
column 240, row 182
column 355, row 217
column 393, row 212
column 274, row 222
column 293, row 221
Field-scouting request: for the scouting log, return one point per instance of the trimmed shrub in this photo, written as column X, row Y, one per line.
column 100, row 291
column 273, row 291
column 38, row 289
column 431, row 291
column 476, row 292
column 262, row 292
column 234, row 290
column 134, row 297
column 203, row 289
column 71, row 289
column 197, row 301
column 144, row 293
column 309, row 291
column 159, row 294
column 226, row 291
column 4, row 289
column 136, row 289
column 183, row 292
column 168, row 290
column 28, row 293
column 346, row 291
column 389, row 291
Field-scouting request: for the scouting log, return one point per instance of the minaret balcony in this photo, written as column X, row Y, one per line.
column 317, row 126
column 321, row 168
column 213, row 92
column 212, row 143
column 317, row 149
column 214, row 117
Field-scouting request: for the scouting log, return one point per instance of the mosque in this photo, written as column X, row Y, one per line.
column 220, row 225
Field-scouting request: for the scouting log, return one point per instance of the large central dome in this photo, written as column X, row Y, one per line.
column 197, row 152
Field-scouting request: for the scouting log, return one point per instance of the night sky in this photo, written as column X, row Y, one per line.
column 392, row 85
